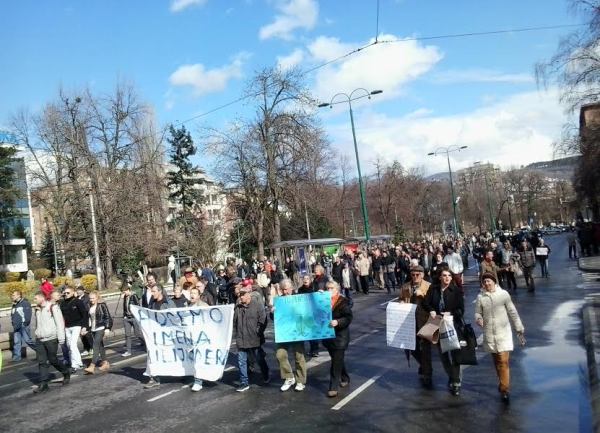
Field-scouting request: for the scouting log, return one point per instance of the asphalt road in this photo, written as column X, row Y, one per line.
column 549, row 389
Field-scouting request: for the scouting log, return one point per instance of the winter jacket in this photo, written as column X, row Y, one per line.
column 74, row 312
column 20, row 314
column 305, row 289
column 486, row 267
column 103, row 317
column 527, row 258
column 454, row 302
column 164, row 304
column 128, row 301
column 336, row 272
column 50, row 324
column 408, row 295
column 496, row 308
column 343, row 314
column 319, row 283
column 249, row 323
column 362, row 266
column 179, row 302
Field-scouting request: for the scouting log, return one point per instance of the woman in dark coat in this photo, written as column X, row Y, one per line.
column 443, row 298
column 341, row 319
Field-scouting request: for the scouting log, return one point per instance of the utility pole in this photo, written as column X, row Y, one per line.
column 55, row 254
column 306, row 218
column 95, row 235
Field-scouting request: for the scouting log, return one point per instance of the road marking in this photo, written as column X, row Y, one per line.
column 129, row 360
column 362, row 337
column 357, row 391
column 231, row 367
column 158, row 397
column 387, row 302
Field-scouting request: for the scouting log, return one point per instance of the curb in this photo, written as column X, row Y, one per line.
column 591, row 267
column 591, row 330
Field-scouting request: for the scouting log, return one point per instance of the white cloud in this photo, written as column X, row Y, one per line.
column 203, row 80
column 480, row 76
column 294, row 14
column 386, row 66
column 514, row 131
column 291, row 60
column 179, row 5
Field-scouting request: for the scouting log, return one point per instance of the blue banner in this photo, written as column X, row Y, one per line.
column 303, row 317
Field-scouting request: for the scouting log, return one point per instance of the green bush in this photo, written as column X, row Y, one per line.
column 9, row 288
column 40, row 273
column 62, row 281
column 89, row 282
column 12, row 277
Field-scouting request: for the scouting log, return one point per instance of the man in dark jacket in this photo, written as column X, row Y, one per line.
column 20, row 315
column 129, row 324
column 249, row 322
column 76, row 319
column 336, row 270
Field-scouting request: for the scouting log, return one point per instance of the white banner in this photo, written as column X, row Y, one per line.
column 186, row 341
column 401, row 326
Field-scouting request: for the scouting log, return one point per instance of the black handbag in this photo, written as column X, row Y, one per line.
column 466, row 355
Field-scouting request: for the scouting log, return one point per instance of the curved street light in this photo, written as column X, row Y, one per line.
column 349, row 98
column 447, row 150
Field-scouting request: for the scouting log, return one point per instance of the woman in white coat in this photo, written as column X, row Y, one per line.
column 494, row 311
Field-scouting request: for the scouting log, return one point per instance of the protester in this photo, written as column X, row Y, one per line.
column 527, row 258
column 362, row 266
column 541, row 254
column 488, row 266
column 341, row 319
column 348, row 282
column 158, row 301
column 205, row 295
column 444, row 298
column 282, row 351
column 196, row 301
column 572, row 240
column 306, row 286
column 20, row 317
column 493, row 310
column 151, row 282
column 320, row 279
column 249, row 322
column 129, row 323
column 455, row 264
column 100, row 324
column 47, row 288
column 86, row 339
column 189, row 276
column 178, row 299
column 49, row 333
column 76, row 321
column 414, row 292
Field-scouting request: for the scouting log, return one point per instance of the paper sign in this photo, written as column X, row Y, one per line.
column 400, row 325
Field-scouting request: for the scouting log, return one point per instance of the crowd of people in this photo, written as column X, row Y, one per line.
column 427, row 273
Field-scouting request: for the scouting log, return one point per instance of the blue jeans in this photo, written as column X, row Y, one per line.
column 21, row 336
column 256, row 353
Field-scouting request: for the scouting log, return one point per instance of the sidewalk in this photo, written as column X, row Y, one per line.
column 591, row 331
column 589, row 264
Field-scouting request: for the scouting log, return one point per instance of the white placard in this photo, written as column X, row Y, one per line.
column 541, row 251
column 400, row 325
column 186, row 341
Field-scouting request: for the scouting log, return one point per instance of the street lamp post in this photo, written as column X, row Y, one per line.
column 349, row 98
column 447, row 151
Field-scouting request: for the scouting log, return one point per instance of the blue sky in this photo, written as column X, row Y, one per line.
column 188, row 56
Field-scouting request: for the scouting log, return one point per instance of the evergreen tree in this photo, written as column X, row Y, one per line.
column 183, row 181
column 8, row 190
column 47, row 251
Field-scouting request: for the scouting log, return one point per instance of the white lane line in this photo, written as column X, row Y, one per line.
column 387, row 302
column 357, row 391
column 231, row 367
column 158, row 397
column 129, row 360
column 362, row 337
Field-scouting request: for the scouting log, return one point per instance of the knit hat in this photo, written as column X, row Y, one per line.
column 490, row 276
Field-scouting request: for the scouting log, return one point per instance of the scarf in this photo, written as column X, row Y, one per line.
column 334, row 299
